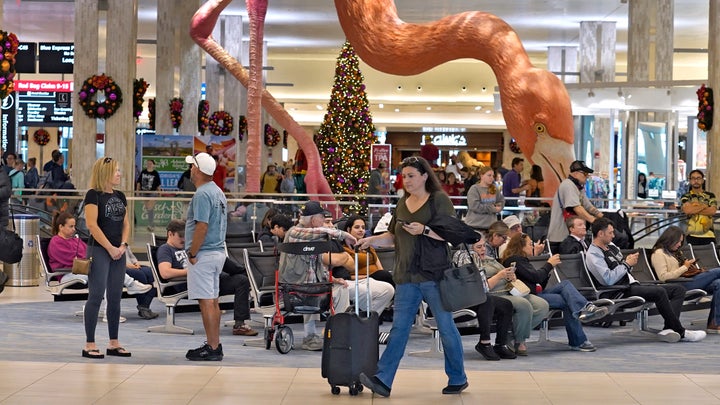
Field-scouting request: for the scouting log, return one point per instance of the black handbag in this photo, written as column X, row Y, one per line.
column 310, row 298
column 462, row 287
column 12, row 244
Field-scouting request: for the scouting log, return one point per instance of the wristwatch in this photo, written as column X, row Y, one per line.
column 427, row 230
column 125, row 244
column 190, row 255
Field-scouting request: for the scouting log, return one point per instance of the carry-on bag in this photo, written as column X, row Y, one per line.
column 350, row 344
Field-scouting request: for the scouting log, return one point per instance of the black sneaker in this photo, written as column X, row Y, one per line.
column 375, row 385
column 504, row 352
column 146, row 313
column 3, row 279
column 205, row 353
column 455, row 389
column 486, row 350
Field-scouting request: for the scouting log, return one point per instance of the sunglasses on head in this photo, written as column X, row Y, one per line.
column 107, row 160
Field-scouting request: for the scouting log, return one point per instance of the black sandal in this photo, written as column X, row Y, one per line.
column 118, row 351
column 93, row 354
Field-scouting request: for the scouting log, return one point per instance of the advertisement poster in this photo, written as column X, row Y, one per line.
column 222, row 148
column 380, row 154
column 168, row 152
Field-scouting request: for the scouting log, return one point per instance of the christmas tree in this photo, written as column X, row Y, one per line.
column 347, row 131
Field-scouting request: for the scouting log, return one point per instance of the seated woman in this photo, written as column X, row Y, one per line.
column 64, row 247
column 380, row 283
column 563, row 295
column 529, row 310
column 669, row 263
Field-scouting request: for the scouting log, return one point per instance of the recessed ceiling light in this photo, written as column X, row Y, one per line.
column 381, row 105
column 487, row 111
column 293, row 109
column 428, row 108
column 478, row 107
column 319, row 107
column 397, row 110
column 463, row 89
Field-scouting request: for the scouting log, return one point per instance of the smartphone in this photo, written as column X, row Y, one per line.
column 403, row 222
column 512, row 267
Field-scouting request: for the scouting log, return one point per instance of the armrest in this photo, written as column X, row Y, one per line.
column 678, row 280
column 61, row 270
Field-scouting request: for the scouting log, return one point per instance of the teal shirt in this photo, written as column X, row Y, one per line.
column 208, row 205
column 405, row 243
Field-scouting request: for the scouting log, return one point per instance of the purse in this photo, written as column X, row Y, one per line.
column 81, row 265
column 462, row 287
column 693, row 270
column 519, row 289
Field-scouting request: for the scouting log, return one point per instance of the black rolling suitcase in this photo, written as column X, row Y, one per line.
column 350, row 346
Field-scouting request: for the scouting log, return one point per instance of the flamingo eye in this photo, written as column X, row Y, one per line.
column 540, row 128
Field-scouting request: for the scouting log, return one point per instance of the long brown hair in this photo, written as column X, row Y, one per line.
column 60, row 218
column 515, row 246
column 492, row 189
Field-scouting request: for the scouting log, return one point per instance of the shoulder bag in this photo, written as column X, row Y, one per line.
column 12, row 244
column 463, row 287
column 82, row 265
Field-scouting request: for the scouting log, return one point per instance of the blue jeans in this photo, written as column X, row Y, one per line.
column 566, row 297
column 710, row 282
column 407, row 299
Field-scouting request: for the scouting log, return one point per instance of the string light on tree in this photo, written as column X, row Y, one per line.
column 347, row 130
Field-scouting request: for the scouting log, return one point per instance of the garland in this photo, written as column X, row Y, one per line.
column 272, row 136
column 41, row 137
column 705, row 108
column 242, row 127
column 221, row 123
column 91, row 87
column 140, row 86
column 203, row 120
column 8, row 49
column 176, row 106
column 151, row 113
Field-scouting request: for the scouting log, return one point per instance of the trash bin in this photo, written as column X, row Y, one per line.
column 25, row 273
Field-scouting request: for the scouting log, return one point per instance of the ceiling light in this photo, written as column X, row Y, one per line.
column 419, row 88
column 381, row 105
column 397, row 110
column 399, row 88
column 591, row 93
column 620, row 93
column 478, row 107
column 484, row 89
column 319, row 107
column 428, row 108
column 463, row 89
column 487, row 111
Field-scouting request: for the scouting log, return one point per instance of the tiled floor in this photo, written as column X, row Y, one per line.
column 102, row 383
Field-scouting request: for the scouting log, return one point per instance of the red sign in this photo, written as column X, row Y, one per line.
column 380, row 154
column 44, row 85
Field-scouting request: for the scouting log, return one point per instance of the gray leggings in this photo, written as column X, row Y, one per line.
column 109, row 274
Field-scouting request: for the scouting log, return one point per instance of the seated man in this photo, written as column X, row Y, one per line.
column 279, row 224
column 575, row 241
column 295, row 269
column 172, row 262
column 606, row 263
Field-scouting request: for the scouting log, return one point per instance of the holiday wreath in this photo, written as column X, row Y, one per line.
column 41, row 137
column 140, row 86
column 203, row 120
column 272, row 136
column 176, row 106
column 8, row 50
column 221, row 123
column 705, row 108
column 89, row 91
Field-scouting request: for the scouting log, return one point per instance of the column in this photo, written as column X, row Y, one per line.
column 713, row 170
column 212, row 72
column 190, row 64
column 167, row 62
column 121, row 53
column 597, row 51
column 82, row 153
column 563, row 61
column 235, row 94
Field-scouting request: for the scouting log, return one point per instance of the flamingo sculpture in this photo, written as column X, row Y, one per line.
column 535, row 104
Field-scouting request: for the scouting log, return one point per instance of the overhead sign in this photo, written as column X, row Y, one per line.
column 25, row 57
column 56, row 57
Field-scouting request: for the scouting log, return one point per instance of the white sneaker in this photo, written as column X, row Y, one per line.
column 669, row 336
column 138, row 288
column 122, row 319
column 694, row 335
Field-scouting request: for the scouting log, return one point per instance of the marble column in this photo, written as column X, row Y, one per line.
column 167, row 63
column 121, row 54
column 597, row 51
column 190, row 65
column 650, row 58
column 713, row 170
column 82, row 153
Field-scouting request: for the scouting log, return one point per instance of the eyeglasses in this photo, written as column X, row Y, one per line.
column 107, row 160
column 696, row 178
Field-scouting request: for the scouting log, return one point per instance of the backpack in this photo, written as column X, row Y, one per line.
column 46, row 180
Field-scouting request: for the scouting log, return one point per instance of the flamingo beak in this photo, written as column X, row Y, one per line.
column 554, row 156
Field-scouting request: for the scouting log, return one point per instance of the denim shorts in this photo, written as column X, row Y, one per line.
column 203, row 278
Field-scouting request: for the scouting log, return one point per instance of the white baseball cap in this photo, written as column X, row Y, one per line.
column 204, row 162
